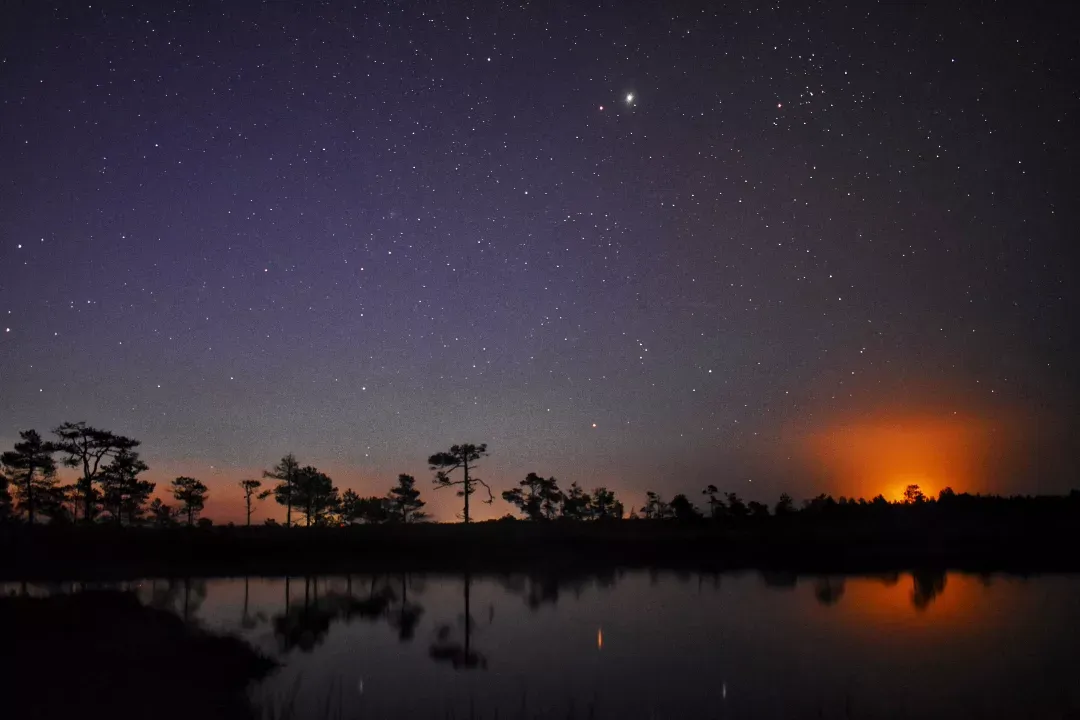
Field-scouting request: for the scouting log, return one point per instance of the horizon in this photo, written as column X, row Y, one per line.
column 931, row 453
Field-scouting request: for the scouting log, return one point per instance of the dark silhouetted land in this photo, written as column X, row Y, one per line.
column 965, row 532
column 105, row 655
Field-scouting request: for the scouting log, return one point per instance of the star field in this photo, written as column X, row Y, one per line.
column 638, row 245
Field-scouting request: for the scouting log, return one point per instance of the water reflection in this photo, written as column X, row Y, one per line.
column 780, row 579
column 538, row 589
column 247, row 620
column 756, row 644
column 183, row 596
column 829, row 590
column 408, row 613
column 305, row 626
column 460, row 653
column 928, row 584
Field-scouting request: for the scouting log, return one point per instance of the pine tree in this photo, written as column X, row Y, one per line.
column 461, row 457
column 191, row 494
column 32, row 469
column 288, row 472
column 404, row 500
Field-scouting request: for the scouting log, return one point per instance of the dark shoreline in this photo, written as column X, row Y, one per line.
column 105, row 552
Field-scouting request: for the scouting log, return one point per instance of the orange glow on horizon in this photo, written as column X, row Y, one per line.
column 868, row 458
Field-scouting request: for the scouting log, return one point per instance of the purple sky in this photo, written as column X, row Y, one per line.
column 362, row 234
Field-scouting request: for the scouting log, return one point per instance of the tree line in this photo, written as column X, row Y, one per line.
column 109, row 489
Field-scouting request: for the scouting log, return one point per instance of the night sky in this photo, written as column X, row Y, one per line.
column 646, row 245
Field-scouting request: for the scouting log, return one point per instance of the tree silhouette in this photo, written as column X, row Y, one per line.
column 464, row 457
column 59, row 502
column 373, row 510
column 32, row 468
column 314, row 493
column 86, row 447
column 682, row 509
column 784, row 506
column 654, row 508
column 250, row 488
column 757, row 509
column 350, row 507
column 553, row 498
column 5, row 498
column 913, row 494
column 287, row 471
column 604, row 505
column 820, row 504
column 716, row 505
column 122, row 492
column 161, row 515
column 191, row 494
column 535, row 497
column 576, row 504
column 370, row 510
column 403, row 500
column 736, row 507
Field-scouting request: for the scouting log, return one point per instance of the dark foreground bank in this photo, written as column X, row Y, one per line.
column 105, row 655
column 1027, row 542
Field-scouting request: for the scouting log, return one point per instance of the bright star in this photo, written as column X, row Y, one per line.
column 629, row 97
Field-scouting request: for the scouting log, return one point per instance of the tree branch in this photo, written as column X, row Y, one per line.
column 491, row 498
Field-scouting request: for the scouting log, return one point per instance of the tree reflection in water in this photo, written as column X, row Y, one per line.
column 829, row 590
column 927, row 585
column 459, row 654
column 544, row 588
column 304, row 627
column 388, row 598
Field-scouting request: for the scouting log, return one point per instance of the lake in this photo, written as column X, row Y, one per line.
column 650, row 645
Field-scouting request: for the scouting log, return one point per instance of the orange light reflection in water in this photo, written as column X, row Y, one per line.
column 960, row 606
column 864, row 459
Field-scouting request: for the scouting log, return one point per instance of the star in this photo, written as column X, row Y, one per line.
column 629, row 98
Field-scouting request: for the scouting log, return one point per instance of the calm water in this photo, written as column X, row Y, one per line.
column 664, row 645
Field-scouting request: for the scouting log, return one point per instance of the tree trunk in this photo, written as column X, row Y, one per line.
column 88, row 501
column 468, row 619
column 30, row 495
column 467, row 493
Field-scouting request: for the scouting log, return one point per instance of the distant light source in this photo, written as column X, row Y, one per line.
column 599, row 638
column 629, row 97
